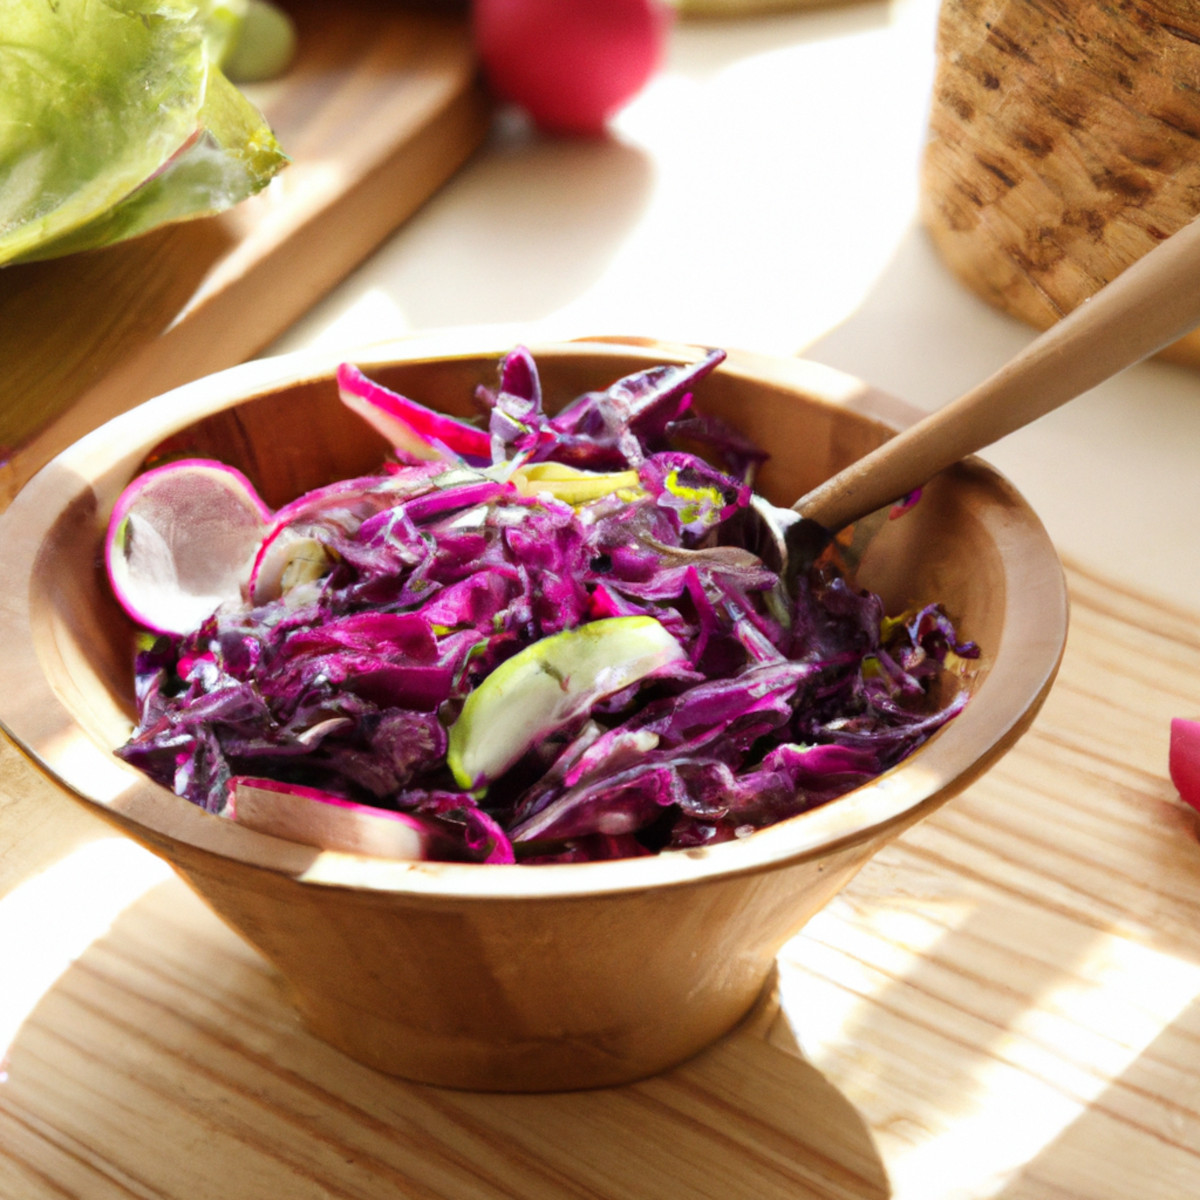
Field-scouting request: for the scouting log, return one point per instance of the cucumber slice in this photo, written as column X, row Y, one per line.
column 548, row 684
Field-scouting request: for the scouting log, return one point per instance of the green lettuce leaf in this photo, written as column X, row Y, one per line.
column 115, row 118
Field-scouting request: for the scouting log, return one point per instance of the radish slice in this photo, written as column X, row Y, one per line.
column 288, row 543
column 1184, row 759
column 180, row 542
column 410, row 427
column 286, row 557
column 316, row 818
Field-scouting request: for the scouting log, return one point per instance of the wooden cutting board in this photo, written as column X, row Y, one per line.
column 380, row 107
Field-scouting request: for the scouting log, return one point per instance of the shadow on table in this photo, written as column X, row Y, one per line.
column 599, row 185
column 918, row 331
column 166, row 1061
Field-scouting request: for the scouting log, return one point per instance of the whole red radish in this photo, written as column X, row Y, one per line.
column 571, row 64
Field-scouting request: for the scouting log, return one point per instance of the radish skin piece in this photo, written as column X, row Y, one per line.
column 1184, row 759
column 316, row 818
column 410, row 427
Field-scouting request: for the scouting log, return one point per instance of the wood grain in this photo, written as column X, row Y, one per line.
column 1062, row 146
column 380, row 107
column 1004, row 1003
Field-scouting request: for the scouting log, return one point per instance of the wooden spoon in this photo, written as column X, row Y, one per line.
column 1149, row 305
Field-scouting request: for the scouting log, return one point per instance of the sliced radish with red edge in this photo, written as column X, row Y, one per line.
column 317, row 818
column 180, row 542
column 411, row 428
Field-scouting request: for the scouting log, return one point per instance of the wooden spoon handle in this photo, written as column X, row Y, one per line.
column 1150, row 304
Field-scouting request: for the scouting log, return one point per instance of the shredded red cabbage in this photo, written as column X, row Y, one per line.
column 428, row 577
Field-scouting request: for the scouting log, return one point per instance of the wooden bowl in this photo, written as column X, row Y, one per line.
column 513, row 977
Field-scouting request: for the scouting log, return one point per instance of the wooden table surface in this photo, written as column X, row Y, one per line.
column 1004, row 1003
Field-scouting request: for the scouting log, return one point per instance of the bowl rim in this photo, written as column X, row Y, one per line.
column 37, row 719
